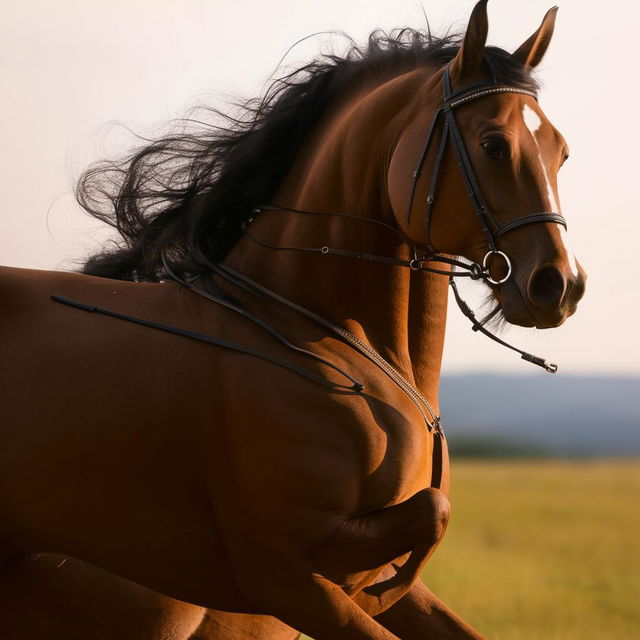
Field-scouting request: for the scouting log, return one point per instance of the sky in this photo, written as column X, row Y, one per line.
column 71, row 71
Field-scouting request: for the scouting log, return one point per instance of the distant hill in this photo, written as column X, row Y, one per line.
column 487, row 414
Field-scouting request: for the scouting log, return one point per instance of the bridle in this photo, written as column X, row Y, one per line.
column 491, row 228
column 489, row 224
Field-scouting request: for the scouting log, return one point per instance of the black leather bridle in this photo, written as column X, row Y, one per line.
column 490, row 226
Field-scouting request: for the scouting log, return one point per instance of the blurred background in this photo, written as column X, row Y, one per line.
column 546, row 485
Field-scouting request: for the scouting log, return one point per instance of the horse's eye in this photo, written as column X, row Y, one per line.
column 496, row 148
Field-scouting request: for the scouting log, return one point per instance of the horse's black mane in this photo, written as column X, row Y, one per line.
column 188, row 193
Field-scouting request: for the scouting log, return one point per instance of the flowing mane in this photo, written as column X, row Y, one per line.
column 187, row 193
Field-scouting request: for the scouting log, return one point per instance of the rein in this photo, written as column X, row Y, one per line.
column 431, row 418
column 233, row 346
column 474, row 270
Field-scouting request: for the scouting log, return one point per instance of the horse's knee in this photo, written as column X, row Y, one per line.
column 436, row 512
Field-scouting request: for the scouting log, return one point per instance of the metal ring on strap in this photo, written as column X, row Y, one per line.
column 485, row 267
column 476, row 272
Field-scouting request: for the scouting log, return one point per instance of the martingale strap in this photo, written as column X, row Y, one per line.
column 429, row 414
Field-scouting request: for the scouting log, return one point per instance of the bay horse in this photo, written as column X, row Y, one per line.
column 236, row 406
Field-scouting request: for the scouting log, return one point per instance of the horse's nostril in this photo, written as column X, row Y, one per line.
column 546, row 287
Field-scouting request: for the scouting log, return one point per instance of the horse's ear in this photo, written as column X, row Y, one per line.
column 531, row 52
column 467, row 62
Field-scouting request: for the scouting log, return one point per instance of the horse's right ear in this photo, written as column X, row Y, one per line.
column 466, row 64
column 531, row 51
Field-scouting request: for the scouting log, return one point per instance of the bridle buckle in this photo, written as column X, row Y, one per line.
column 476, row 272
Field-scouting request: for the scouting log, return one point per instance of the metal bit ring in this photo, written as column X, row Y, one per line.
column 485, row 267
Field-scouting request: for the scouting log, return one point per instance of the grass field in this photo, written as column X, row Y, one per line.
column 543, row 550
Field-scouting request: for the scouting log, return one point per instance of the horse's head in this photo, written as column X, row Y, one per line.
column 513, row 154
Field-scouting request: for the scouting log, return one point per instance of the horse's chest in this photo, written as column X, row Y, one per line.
column 400, row 459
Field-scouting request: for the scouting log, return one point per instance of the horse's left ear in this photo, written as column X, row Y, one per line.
column 531, row 51
column 467, row 61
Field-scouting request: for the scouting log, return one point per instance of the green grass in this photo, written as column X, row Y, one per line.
column 543, row 549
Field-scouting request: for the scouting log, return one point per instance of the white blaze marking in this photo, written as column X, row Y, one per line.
column 533, row 122
column 531, row 119
column 571, row 257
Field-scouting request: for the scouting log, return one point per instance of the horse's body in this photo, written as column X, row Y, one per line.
column 154, row 458
column 225, row 481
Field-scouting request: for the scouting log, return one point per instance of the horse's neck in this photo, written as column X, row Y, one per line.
column 341, row 168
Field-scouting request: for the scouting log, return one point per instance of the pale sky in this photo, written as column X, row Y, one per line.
column 68, row 69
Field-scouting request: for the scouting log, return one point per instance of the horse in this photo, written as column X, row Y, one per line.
column 236, row 405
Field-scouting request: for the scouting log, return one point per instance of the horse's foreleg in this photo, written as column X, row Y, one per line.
column 241, row 626
column 307, row 596
column 419, row 615
column 374, row 539
column 308, row 602
column 409, row 531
